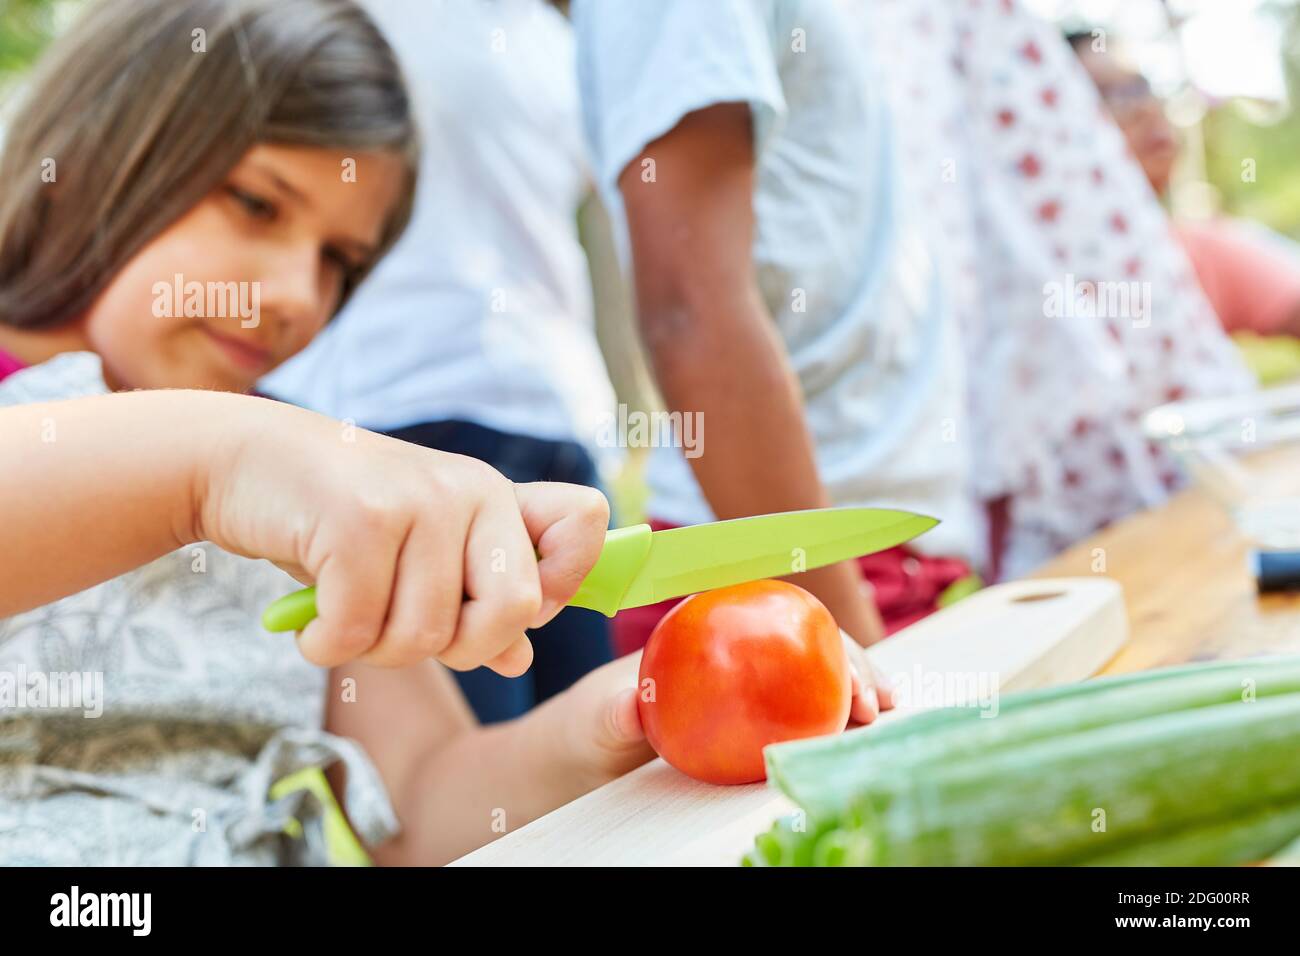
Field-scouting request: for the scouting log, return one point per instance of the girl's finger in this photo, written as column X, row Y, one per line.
column 501, row 584
column 624, row 724
column 297, row 572
column 514, row 660
column 861, row 662
column 425, row 605
column 865, row 706
column 567, row 525
column 884, row 689
column 354, row 587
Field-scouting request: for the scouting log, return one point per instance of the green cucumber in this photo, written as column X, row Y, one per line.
column 824, row 774
column 1036, row 803
column 1227, row 842
column 1289, row 855
column 1186, row 767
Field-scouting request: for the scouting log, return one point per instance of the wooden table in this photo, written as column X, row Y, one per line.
column 1189, row 597
column 1189, row 593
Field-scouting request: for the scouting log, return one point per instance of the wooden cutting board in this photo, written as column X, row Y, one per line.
column 1015, row 636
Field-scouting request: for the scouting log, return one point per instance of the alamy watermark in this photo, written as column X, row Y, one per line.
column 52, row 690
column 927, row 689
column 638, row 429
column 208, row 300
column 133, row 911
column 1098, row 300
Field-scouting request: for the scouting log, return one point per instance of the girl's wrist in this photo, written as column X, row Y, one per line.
column 552, row 733
column 551, row 742
column 215, row 436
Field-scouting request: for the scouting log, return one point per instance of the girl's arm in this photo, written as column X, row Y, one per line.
column 698, row 297
column 416, row 553
column 95, row 487
column 456, row 785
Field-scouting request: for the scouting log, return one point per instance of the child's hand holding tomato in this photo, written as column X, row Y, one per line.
column 872, row 694
column 599, row 719
column 597, row 726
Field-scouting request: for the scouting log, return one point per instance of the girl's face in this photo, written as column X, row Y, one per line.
column 246, row 278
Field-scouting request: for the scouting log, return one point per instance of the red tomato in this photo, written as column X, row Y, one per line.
column 739, row 668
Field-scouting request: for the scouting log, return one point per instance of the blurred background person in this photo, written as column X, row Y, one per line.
column 1023, row 192
column 475, row 336
column 1250, row 274
column 1039, row 219
column 783, row 295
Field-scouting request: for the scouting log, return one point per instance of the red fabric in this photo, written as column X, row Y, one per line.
column 9, row 365
column 1252, row 284
column 907, row 588
column 999, row 519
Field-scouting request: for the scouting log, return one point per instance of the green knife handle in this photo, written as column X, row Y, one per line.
column 602, row 590
column 608, row 581
column 292, row 612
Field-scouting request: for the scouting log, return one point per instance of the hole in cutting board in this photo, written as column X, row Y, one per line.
column 1039, row 596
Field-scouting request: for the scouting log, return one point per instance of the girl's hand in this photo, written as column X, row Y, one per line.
column 416, row 553
column 871, row 692
column 598, row 725
column 600, row 729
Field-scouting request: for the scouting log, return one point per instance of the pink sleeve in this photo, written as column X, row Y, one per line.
column 1253, row 284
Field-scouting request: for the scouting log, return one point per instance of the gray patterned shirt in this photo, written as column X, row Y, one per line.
column 144, row 720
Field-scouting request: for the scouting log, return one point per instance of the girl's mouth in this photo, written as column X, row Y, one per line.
column 241, row 354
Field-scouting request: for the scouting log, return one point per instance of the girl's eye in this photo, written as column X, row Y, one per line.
column 255, row 206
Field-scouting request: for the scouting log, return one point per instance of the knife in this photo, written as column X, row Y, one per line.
column 638, row 566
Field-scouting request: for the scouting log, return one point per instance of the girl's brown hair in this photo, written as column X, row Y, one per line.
column 144, row 106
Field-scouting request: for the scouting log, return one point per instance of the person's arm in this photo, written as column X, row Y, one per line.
column 713, row 345
column 416, row 553
column 93, row 488
column 456, row 786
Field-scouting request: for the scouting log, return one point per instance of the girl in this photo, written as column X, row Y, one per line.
column 261, row 148
column 260, row 152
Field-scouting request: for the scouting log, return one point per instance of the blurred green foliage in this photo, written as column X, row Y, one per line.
column 1233, row 137
column 25, row 27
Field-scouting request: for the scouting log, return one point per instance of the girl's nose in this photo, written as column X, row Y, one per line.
column 292, row 286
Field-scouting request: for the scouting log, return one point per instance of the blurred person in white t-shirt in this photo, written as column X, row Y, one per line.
column 783, row 293
column 475, row 335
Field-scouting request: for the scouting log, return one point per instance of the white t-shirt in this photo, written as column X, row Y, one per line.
column 842, row 271
column 483, row 310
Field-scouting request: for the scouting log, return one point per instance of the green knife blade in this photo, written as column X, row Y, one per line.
column 639, row 567
column 716, row 555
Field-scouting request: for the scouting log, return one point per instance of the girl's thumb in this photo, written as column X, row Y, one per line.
column 622, row 723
